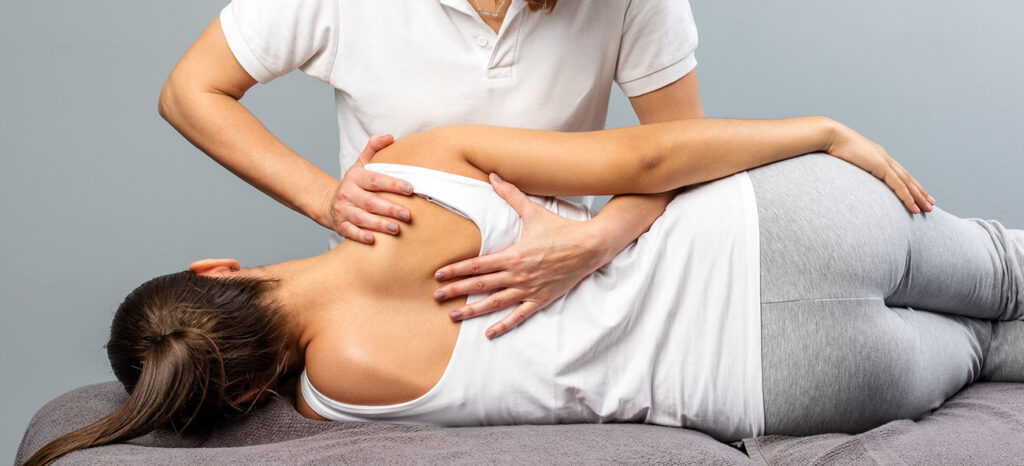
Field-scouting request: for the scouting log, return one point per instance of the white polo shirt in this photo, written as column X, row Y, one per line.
column 402, row 66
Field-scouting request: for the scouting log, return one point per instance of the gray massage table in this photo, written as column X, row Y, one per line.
column 983, row 424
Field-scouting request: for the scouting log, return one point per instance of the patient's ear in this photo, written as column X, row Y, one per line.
column 214, row 267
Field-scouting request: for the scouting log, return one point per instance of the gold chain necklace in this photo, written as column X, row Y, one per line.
column 493, row 14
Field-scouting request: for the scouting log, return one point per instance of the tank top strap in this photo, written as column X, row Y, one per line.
column 473, row 199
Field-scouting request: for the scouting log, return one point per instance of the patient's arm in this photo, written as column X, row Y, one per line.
column 664, row 156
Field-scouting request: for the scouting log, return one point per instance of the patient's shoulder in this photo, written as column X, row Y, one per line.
column 351, row 374
column 436, row 149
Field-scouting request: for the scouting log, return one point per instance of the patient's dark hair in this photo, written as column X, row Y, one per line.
column 185, row 346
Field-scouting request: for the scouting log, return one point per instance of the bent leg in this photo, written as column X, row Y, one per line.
column 849, row 365
column 969, row 267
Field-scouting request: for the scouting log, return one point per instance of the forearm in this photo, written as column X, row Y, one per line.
column 641, row 159
column 224, row 129
column 688, row 152
column 624, row 218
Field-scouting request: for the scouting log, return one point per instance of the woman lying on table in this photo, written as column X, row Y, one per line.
column 771, row 301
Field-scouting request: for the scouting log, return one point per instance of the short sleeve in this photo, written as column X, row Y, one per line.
column 271, row 38
column 659, row 38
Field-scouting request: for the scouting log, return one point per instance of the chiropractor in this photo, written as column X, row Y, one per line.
column 405, row 66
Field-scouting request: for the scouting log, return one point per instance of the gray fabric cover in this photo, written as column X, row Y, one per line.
column 276, row 434
column 983, row 424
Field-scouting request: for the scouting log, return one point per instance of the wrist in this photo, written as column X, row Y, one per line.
column 831, row 133
column 320, row 210
column 604, row 239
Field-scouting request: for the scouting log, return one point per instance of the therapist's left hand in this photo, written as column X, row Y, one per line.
column 553, row 255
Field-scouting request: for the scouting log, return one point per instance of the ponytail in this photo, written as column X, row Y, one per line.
column 156, row 400
column 184, row 346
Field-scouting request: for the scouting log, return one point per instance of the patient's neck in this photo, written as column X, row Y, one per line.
column 307, row 287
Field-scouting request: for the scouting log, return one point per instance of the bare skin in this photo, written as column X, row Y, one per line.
column 361, row 318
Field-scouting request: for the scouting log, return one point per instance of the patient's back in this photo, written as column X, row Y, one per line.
column 398, row 349
column 386, row 340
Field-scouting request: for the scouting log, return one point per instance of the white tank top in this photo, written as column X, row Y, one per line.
column 667, row 333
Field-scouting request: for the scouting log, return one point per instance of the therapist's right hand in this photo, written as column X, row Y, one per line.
column 354, row 210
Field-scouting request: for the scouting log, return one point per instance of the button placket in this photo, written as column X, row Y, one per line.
column 487, row 43
column 499, row 50
column 503, row 53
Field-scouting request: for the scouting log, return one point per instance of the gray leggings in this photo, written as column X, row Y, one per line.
column 869, row 314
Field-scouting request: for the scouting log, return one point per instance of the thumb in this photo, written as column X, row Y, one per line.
column 511, row 194
column 376, row 143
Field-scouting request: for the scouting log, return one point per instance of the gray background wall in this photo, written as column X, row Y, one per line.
column 97, row 192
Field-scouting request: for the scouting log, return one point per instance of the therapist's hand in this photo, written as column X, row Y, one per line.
column 553, row 255
column 352, row 208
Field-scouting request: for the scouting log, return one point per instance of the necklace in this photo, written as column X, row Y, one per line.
column 493, row 14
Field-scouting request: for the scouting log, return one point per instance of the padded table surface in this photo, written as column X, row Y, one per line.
column 983, row 424
column 277, row 434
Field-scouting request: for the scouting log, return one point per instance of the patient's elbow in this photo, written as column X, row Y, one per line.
column 649, row 162
column 648, row 168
